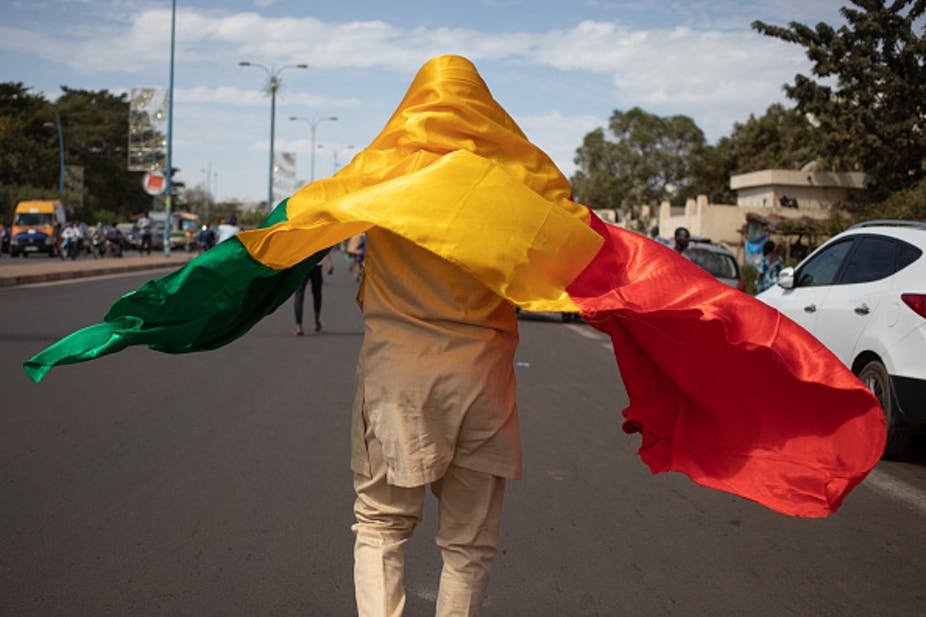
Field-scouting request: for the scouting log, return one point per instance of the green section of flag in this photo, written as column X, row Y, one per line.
column 208, row 303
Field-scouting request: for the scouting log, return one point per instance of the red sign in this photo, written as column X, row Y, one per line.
column 154, row 182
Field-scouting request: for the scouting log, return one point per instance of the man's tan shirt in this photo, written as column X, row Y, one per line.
column 435, row 378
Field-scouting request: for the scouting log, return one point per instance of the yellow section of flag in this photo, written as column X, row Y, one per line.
column 452, row 172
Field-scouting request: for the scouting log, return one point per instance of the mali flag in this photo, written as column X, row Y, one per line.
column 722, row 387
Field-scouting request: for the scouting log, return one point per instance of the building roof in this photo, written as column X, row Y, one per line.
column 794, row 177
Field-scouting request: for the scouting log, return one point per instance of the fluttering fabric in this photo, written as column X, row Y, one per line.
column 722, row 388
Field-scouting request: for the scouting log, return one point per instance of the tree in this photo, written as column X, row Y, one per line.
column 595, row 181
column 779, row 139
column 95, row 125
column 649, row 159
column 909, row 204
column 873, row 118
column 28, row 147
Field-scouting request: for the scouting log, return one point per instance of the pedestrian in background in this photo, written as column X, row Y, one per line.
column 315, row 276
column 654, row 235
column 228, row 229
column 682, row 240
column 144, row 232
column 768, row 268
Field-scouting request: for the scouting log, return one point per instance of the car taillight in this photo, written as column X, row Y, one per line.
column 915, row 301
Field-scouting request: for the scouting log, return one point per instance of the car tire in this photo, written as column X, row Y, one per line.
column 876, row 379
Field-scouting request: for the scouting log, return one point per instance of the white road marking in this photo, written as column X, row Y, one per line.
column 586, row 331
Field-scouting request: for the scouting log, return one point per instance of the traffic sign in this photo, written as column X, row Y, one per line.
column 154, row 182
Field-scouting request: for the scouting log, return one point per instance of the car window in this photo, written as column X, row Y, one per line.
column 906, row 255
column 824, row 266
column 873, row 259
column 718, row 264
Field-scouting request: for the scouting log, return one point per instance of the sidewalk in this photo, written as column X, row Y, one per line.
column 41, row 269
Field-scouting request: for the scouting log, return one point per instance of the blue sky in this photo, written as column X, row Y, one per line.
column 558, row 67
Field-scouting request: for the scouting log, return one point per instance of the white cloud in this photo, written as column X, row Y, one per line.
column 228, row 95
column 714, row 74
column 559, row 135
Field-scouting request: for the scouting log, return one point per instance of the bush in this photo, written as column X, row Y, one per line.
column 908, row 205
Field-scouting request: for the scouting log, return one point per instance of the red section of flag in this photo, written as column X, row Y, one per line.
column 724, row 388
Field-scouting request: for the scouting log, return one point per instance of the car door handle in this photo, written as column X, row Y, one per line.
column 810, row 308
column 862, row 309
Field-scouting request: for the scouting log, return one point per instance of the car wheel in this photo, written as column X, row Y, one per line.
column 876, row 379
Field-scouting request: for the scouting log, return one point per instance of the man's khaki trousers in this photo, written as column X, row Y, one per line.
column 470, row 506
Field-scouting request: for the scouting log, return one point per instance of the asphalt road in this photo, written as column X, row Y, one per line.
column 218, row 484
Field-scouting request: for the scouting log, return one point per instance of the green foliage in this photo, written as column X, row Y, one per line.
column 780, row 139
column 12, row 195
column 647, row 160
column 868, row 90
column 95, row 133
column 95, row 126
column 650, row 154
column 252, row 217
column 28, row 148
column 909, row 205
column 224, row 209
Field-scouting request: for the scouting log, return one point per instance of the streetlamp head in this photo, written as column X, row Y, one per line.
column 294, row 118
column 302, row 66
column 244, row 63
column 332, row 118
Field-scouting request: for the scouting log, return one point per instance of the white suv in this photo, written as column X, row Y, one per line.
column 863, row 295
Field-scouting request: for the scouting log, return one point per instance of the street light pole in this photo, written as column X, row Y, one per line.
column 208, row 172
column 273, row 82
column 60, row 157
column 334, row 154
column 313, row 123
column 170, row 131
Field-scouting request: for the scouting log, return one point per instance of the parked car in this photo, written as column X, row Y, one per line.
column 863, row 295
column 178, row 241
column 717, row 260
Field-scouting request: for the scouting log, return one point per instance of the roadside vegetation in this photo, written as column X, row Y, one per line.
column 863, row 108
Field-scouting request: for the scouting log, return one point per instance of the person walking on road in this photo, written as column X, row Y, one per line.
column 144, row 232
column 465, row 219
column 435, row 405
column 315, row 276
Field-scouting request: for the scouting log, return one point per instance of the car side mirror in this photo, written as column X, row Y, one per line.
column 786, row 278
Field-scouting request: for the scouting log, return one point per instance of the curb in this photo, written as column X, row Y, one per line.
column 45, row 277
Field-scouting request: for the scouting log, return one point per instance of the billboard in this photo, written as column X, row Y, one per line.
column 148, row 129
column 284, row 175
